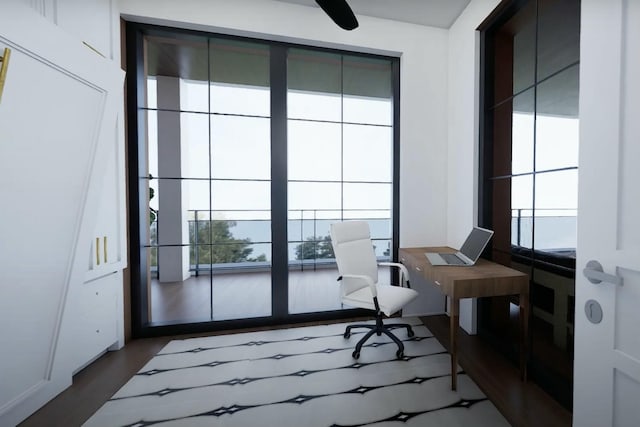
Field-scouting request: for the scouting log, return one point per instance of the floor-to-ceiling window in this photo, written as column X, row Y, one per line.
column 340, row 162
column 241, row 153
column 529, row 176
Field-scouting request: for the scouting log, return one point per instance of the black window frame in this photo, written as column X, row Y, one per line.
column 138, row 222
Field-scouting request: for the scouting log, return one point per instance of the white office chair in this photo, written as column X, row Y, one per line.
column 358, row 269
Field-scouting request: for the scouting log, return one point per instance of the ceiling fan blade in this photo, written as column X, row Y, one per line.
column 340, row 12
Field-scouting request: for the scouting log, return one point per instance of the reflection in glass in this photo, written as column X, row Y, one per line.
column 523, row 30
column 557, row 121
column 240, row 148
column 558, row 35
column 522, row 210
column 556, row 211
column 522, row 125
column 367, row 152
column 314, row 151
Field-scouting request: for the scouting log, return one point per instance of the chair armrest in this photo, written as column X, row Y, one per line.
column 372, row 285
column 404, row 273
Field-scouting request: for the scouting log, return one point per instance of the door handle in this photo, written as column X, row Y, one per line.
column 595, row 274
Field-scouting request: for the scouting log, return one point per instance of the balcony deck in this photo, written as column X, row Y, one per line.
column 239, row 295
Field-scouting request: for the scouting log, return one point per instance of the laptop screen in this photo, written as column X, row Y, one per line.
column 475, row 243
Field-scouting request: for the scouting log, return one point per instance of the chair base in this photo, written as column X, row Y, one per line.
column 379, row 328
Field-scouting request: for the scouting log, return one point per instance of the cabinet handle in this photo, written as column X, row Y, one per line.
column 105, row 249
column 418, row 269
column 97, row 251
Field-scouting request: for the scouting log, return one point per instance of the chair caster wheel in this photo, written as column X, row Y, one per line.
column 399, row 354
column 410, row 333
column 355, row 354
column 346, row 334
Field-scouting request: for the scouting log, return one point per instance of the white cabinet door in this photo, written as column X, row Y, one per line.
column 106, row 247
column 607, row 342
column 56, row 115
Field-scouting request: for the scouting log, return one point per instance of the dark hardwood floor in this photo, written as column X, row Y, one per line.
column 522, row 404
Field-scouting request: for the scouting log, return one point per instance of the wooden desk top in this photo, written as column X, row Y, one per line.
column 485, row 278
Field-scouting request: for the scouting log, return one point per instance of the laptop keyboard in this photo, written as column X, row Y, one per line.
column 452, row 259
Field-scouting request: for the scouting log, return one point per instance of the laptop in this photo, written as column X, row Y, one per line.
column 468, row 253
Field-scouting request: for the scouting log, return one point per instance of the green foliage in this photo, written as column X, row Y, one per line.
column 216, row 244
column 315, row 248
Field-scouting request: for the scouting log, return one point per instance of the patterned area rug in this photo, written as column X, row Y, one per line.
column 299, row 377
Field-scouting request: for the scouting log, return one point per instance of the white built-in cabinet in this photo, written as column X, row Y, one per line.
column 62, row 190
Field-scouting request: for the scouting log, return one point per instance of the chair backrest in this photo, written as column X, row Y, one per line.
column 354, row 253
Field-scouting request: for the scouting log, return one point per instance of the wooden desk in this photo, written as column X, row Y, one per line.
column 485, row 279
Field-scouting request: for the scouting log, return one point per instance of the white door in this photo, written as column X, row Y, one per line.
column 607, row 353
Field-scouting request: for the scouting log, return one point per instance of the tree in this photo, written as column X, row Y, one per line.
column 216, row 245
column 315, row 248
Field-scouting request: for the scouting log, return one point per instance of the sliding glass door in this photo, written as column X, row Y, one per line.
column 234, row 202
column 340, row 164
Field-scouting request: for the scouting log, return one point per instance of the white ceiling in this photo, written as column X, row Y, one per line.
column 434, row 13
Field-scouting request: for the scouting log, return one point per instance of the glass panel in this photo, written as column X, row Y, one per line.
column 239, row 78
column 556, row 210
column 240, row 147
column 178, row 301
column 558, row 35
column 314, row 85
column 194, row 146
column 172, row 201
column 380, row 228
column 522, row 210
column 177, row 144
column 368, row 110
column 368, row 153
column 522, row 133
column 152, row 141
column 523, row 28
column 557, row 132
column 367, row 91
column 193, row 96
column 172, row 62
column 310, row 196
column 152, row 93
column 196, row 194
column 314, row 151
column 382, row 249
column 367, row 196
column 241, row 195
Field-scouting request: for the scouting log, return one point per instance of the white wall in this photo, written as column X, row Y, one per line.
column 423, row 98
column 462, row 155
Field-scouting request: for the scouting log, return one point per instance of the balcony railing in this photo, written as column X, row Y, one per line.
column 555, row 229
column 308, row 231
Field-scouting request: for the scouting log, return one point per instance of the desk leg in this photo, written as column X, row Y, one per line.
column 524, row 335
column 453, row 340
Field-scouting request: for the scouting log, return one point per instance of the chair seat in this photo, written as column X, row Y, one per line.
column 390, row 298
